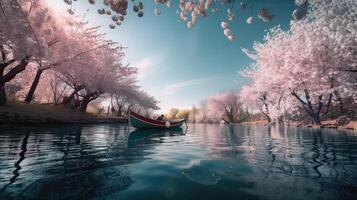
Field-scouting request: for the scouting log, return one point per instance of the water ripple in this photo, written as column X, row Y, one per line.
column 206, row 161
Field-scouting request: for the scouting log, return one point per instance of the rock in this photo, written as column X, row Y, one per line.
column 342, row 121
column 351, row 125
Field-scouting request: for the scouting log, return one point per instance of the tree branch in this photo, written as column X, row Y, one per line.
column 3, row 54
column 4, row 65
column 75, row 56
column 16, row 70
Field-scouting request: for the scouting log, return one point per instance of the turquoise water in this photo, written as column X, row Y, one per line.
column 202, row 162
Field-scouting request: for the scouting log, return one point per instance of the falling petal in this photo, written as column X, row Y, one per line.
column 141, row 5
column 265, row 15
column 157, row 11
column 214, row 10
column 70, row 11
column 69, row 2
column 250, row 20
column 136, row 8
column 231, row 17
column 227, row 32
column 300, row 12
column 105, row 2
column 169, row 3
column 224, row 24
column 243, row 5
column 101, row 11
column 115, row 18
column 231, row 37
column 190, row 24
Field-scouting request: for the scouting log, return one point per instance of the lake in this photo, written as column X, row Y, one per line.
column 203, row 162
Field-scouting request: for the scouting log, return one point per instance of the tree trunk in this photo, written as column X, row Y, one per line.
column 328, row 104
column 309, row 108
column 316, row 119
column 35, row 82
column 268, row 117
column 9, row 76
column 2, row 87
column 340, row 102
column 128, row 110
column 2, row 93
column 86, row 99
column 267, row 113
column 265, row 105
column 70, row 97
column 84, row 103
column 329, row 99
column 17, row 69
column 119, row 111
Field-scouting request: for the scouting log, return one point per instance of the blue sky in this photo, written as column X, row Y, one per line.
column 181, row 66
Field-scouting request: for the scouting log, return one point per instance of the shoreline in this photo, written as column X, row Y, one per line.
column 15, row 118
column 38, row 114
column 349, row 124
column 19, row 113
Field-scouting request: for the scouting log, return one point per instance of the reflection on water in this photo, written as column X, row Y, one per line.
column 206, row 161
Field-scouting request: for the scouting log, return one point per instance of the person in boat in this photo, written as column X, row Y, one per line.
column 160, row 118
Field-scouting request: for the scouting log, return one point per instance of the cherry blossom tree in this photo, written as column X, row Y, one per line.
column 95, row 73
column 78, row 60
column 19, row 40
column 171, row 115
column 76, row 34
column 256, row 100
column 225, row 107
column 143, row 101
column 192, row 114
column 201, row 114
column 312, row 62
column 58, row 89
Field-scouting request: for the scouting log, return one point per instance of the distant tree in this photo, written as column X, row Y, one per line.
column 172, row 113
column 201, row 115
column 183, row 114
column 192, row 114
column 224, row 107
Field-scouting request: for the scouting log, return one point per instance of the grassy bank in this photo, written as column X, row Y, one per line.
column 16, row 112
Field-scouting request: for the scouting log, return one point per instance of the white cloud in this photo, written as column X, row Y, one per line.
column 172, row 88
column 144, row 66
column 149, row 64
column 144, row 63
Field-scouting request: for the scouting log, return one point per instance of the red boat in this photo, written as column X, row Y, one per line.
column 139, row 121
